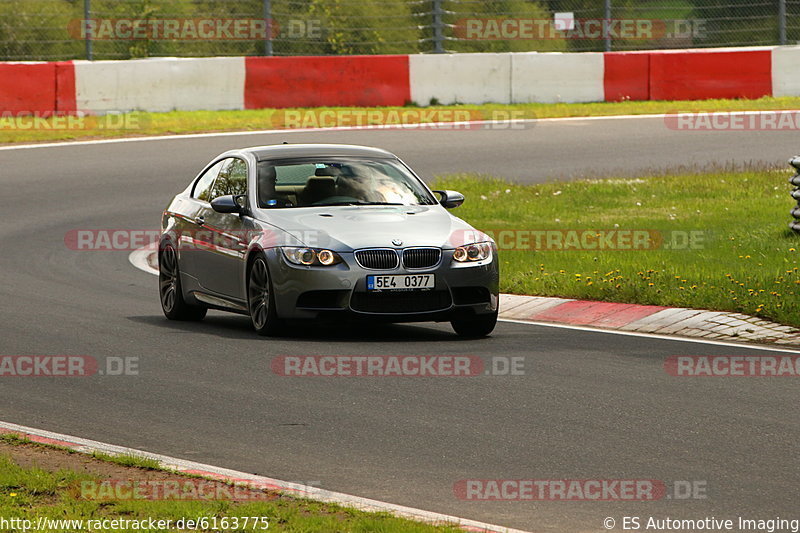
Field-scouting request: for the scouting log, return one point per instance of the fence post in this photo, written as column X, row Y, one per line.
column 782, row 21
column 607, row 25
column 87, row 14
column 438, row 28
column 270, row 27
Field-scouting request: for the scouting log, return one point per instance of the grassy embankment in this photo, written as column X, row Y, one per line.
column 743, row 259
column 30, row 490
column 185, row 122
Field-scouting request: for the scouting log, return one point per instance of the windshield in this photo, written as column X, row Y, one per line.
column 332, row 181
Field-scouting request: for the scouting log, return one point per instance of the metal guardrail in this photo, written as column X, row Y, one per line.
column 795, row 180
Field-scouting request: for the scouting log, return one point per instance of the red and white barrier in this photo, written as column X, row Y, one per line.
column 460, row 78
column 689, row 74
column 326, row 81
column 37, row 87
column 506, row 78
column 785, row 64
column 556, row 77
column 160, row 84
column 165, row 84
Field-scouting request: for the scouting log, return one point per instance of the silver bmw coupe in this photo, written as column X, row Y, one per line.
column 317, row 231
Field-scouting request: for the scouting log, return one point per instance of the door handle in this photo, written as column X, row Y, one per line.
column 200, row 220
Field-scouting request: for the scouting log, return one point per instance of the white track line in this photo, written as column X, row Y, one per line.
column 139, row 259
column 652, row 336
column 305, row 491
column 432, row 126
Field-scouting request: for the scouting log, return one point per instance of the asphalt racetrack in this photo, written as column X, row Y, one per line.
column 590, row 405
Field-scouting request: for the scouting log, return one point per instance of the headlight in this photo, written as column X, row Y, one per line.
column 473, row 252
column 311, row 256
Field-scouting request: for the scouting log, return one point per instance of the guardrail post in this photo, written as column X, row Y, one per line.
column 87, row 14
column 607, row 25
column 795, row 180
column 782, row 21
column 438, row 28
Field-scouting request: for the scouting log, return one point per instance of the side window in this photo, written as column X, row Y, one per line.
column 202, row 189
column 232, row 179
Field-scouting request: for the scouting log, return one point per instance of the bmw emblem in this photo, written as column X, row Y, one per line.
column 397, row 242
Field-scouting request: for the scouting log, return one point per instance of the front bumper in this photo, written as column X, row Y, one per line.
column 461, row 290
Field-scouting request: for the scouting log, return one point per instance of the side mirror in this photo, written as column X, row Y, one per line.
column 450, row 199
column 229, row 204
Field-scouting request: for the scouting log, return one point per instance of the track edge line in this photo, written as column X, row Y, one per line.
column 87, row 446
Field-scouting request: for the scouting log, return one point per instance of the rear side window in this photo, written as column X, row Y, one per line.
column 202, row 189
column 232, row 179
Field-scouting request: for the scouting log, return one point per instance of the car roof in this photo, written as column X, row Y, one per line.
column 289, row 151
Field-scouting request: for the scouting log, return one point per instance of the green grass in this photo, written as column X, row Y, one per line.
column 31, row 492
column 14, row 439
column 748, row 261
column 133, row 461
column 182, row 122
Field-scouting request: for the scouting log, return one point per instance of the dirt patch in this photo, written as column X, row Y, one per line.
column 53, row 460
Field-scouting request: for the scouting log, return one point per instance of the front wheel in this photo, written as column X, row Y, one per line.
column 261, row 300
column 169, row 282
column 475, row 328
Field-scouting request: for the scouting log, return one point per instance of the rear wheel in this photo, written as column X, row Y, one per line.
column 261, row 300
column 474, row 328
column 169, row 282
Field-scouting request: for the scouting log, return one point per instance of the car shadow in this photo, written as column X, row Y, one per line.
column 229, row 327
column 232, row 326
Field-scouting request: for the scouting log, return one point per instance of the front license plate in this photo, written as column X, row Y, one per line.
column 414, row 282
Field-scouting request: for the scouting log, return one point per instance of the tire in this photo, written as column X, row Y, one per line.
column 475, row 328
column 170, row 291
column 261, row 299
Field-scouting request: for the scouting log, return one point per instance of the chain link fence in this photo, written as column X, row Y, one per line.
column 122, row 29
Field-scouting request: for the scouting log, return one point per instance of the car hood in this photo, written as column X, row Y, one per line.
column 344, row 228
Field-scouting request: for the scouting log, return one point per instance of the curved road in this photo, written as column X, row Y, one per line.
column 590, row 405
